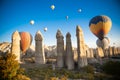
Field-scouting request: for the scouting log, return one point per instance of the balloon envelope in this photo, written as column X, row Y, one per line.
column 26, row 40
column 52, row 7
column 45, row 29
column 67, row 17
column 79, row 10
column 32, row 22
column 104, row 43
column 100, row 26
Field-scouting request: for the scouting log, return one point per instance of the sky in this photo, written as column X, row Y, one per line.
column 16, row 15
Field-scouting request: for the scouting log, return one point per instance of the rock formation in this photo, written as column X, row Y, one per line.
column 50, row 51
column 60, row 49
column 118, row 50
column 75, row 54
column 90, row 56
column 30, row 52
column 5, row 47
column 115, row 52
column 82, row 58
column 99, row 52
column 69, row 61
column 15, row 48
column 39, row 49
column 106, row 52
column 110, row 51
column 91, row 53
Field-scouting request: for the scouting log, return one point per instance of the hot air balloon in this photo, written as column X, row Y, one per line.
column 67, row 17
column 32, row 22
column 104, row 43
column 26, row 40
column 79, row 10
column 52, row 7
column 100, row 26
column 45, row 29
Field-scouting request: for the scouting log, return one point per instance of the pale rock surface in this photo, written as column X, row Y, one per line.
column 99, row 52
column 15, row 48
column 60, row 49
column 39, row 49
column 5, row 47
column 82, row 57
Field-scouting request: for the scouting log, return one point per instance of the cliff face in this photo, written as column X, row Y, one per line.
column 50, row 51
column 5, row 47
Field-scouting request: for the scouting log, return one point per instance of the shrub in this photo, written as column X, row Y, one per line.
column 53, row 78
column 89, row 76
column 10, row 68
column 20, row 77
column 102, row 76
column 64, row 78
column 88, row 69
column 112, row 68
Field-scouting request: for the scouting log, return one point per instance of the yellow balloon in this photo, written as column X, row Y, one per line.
column 52, row 7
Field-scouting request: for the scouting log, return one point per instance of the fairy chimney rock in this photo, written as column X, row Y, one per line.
column 39, row 49
column 69, row 53
column 60, row 49
column 15, row 49
column 38, row 36
column 82, row 58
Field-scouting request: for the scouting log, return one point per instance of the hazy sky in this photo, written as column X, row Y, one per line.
column 16, row 15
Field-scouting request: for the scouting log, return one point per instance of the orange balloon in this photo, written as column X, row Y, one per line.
column 26, row 40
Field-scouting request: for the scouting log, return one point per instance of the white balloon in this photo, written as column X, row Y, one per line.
column 104, row 43
column 45, row 29
column 108, row 39
column 67, row 17
column 32, row 22
column 52, row 7
column 79, row 10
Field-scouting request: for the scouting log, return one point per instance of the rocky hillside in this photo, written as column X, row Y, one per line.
column 50, row 51
column 5, row 47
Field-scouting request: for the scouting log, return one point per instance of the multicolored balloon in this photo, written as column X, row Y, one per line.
column 100, row 26
column 26, row 40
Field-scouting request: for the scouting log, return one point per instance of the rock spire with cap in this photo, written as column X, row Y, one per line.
column 39, row 49
column 15, row 48
column 60, row 49
column 69, row 57
column 82, row 58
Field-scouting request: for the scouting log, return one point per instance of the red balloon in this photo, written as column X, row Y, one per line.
column 26, row 40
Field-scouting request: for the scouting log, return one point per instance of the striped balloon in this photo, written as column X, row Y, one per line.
column 100, row 26
column 26, row 40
